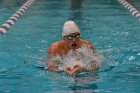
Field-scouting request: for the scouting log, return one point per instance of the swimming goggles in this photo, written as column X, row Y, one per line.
column 72, row 37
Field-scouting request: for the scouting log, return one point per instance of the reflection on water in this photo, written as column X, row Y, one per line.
column 76, row 5
column 85, row 83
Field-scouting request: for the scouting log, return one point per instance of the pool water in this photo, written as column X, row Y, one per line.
column 112, row 30
column 135, row 4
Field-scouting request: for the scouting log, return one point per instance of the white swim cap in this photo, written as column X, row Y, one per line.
column 69, row 28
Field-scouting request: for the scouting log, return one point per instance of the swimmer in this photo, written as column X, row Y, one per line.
column 71, row 41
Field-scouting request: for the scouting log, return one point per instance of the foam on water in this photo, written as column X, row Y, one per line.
column 81, row 56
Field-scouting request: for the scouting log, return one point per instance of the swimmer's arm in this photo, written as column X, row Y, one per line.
column 52, row 66
column 93, row 67
column 90, row 46
column 53, row 49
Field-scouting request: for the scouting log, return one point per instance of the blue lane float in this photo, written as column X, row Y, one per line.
column 131, row 8
column 4, row 27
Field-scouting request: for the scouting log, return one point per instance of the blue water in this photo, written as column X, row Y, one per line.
column 112, row 30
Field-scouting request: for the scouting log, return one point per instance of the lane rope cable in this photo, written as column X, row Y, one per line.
column 4, row 27
column 131, row 8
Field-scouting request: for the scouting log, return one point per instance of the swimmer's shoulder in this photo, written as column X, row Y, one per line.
column 56, row 48
column 86, row 42
column 56, row 45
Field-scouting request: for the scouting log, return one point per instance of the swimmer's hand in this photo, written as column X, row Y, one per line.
column 68, row 70
column 76, row 69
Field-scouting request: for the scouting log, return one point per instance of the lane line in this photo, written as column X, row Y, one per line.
column 131, row 8
column 4, row 27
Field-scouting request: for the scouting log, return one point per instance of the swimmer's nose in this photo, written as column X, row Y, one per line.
column 74, row 40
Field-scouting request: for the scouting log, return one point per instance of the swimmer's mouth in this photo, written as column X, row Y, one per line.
column 74, row 44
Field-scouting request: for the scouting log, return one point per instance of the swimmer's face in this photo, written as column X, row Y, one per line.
column 73, row 40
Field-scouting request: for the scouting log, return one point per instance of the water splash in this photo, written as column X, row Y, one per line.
column 81, row 56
